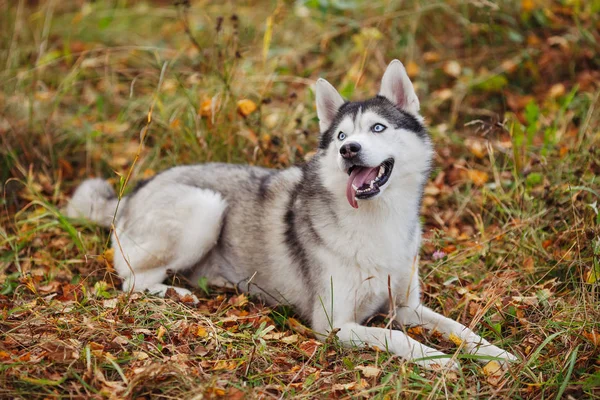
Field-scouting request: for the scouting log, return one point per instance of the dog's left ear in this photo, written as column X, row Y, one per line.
column 397, row 88
column 329, row 102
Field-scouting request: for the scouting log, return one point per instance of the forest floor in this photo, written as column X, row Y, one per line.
column 124, row 89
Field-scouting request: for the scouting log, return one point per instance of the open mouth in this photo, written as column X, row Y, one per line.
column 365, row 182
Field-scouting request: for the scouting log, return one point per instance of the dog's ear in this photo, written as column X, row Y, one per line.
column 329, row 102
column 397, row 88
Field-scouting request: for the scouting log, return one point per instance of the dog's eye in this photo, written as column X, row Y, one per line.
column 341, row 135
column 378, row 128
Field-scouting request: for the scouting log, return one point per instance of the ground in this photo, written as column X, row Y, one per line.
column 124, row 89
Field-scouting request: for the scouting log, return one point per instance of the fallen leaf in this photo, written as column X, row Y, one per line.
column 369, row 371
column 455, row 339
column 290, row 339
column 201, row 332
column 476, row 147
column 479, row 178
column 415, row 330
column 593, row 337
column 556, row 90
column 298, row 327
column 122, row 340
column 412, row 69
column 431, row 56
column 309, row 347
column 110, row 303
column 239, row 301
column 493, row 372
column 452, row 68
column 160, row 333
column 140, row 355
column 528, row 265
column 216, row 391
column 527, row 5
column 246, row 107
column 208, row 108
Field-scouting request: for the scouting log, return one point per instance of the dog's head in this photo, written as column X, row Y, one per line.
column 370, row 146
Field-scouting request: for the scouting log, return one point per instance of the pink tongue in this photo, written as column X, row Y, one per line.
column 358, row 177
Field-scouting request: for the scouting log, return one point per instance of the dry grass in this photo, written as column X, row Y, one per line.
column 125, row 89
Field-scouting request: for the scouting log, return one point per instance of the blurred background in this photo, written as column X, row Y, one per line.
column 123, row 89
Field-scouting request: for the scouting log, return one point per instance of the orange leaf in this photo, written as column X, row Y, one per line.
column 201, row 331
column 593, row 337
column 246, row 107
column 412, row 69
column 479, row 178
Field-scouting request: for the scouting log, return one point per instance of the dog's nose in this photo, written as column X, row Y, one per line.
column 349, row 150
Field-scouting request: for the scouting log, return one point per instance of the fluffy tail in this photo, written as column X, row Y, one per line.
column 94, row 200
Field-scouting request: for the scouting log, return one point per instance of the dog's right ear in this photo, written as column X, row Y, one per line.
column 397, row 88
column 329, row 102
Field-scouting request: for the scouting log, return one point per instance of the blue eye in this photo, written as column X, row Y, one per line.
column 378, row 128
column 341, row 135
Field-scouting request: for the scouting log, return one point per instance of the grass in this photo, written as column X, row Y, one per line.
column 124, row 89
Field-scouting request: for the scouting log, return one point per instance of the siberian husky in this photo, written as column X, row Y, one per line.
column 338, row 237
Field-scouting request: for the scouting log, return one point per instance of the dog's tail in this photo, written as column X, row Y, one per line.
column 94, row 200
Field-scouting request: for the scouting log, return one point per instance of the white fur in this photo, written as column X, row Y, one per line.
column 95, row 199
column 328, row 103
column 190, row 224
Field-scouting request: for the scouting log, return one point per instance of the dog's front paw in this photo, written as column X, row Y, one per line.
column 186, row 295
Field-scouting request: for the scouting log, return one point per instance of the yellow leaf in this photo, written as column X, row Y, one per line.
column 527, row 5
column 175, row 123
column 246, row 107
column 412, row 69
column 209, row 107
column 160, row 333
column 216, row 391
column 201, row 332
column 205, row 108
column 479, row 178
column 493, row 371
column 455, row 339
column 107, row 256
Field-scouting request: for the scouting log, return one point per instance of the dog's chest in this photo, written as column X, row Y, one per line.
column 369, row 263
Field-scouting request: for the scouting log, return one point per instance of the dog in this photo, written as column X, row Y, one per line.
column 337, row 238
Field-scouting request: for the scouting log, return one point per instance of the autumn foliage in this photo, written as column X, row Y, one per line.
column 124, row 89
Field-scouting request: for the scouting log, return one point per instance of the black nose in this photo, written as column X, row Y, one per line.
column 349, row 150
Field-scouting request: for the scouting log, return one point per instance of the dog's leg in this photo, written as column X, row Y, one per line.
column 166, row 231
column 397, row 342
column 452, row 330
